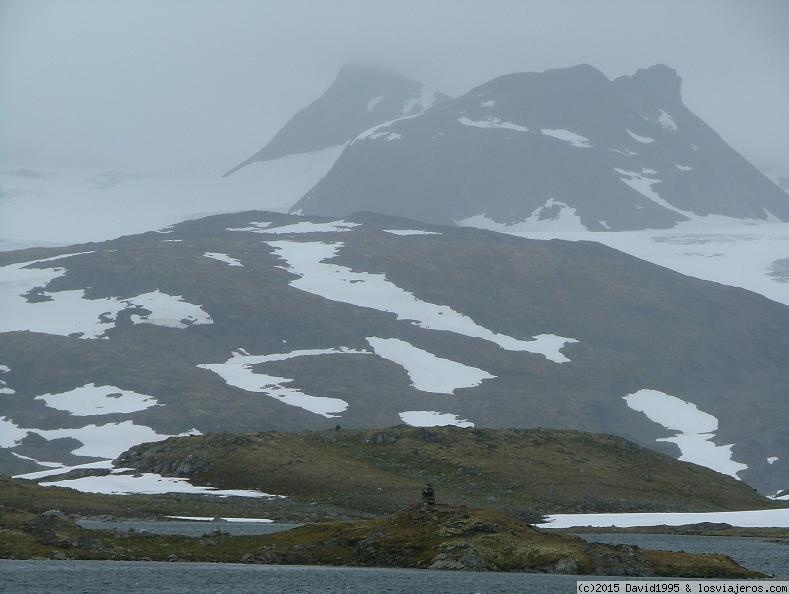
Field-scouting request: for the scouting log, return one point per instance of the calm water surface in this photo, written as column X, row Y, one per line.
column 122, row 576
column 758, row 554
column 187, row 528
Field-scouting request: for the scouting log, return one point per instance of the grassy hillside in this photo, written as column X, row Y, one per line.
column 527, row 472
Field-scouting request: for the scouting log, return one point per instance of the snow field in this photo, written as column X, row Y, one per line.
column 694, row 429
column 91, row 399
column 140, row 203
column 427, row 372
column 4, row 389
column 565, row 220
column 567, row 136
column 411, row 232
column 764, row 518
column 372, row 290
column 223, row 258
column 68, row 312
column 237, row 371
column 491, row 122
column 432, row 418
column 147, row 483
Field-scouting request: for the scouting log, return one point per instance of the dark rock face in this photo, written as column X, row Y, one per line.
column 359, row 98
column 620, row 155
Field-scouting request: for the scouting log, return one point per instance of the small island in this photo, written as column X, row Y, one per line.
column 423, row 535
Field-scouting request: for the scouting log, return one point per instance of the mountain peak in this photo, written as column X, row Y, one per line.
column 365, row 70
column 361, row 96
column 658, row 81
column 562, row 147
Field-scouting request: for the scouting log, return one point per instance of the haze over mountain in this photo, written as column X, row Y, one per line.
column 258, row 321
column 567, row 149
column 360, row 97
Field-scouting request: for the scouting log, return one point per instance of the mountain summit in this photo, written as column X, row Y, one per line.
column 566, row 148
column 360, row 97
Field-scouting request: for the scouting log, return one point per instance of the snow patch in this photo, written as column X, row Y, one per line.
column 170, row 311
column 551, row 216
column 310, row 227
column 641, row 139
column 237, row 371
column 666, row 121
column 61, row 469
column 4, row 389
column 254, row 227
column 373, row 102
column 411, row 232
column 432, row 418
column 105, row 441
column 420, row 102
column 772, row 459
column 10, row 433
column 147, row 483
column 491, row 122
column 694, row 429
column 386, row 136
column 683, row 167
column 223, row 258
column 370, row 131
column 39, row 462
column 69, row 313
column 643, row 185
column 567, row 136
column 372, row 290
column 428, row 372
column 625, row 152
column 223, row 519
column 758, row 518
column 91, row 399
column 729, row 251
column 488, row 103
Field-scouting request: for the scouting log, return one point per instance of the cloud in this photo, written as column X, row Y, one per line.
column 197, row 84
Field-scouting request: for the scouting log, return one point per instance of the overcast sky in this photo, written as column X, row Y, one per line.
column 200, row 85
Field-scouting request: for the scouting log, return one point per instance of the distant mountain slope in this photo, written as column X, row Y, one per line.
column 566, row 149
column 263, row 321
column 359, row 98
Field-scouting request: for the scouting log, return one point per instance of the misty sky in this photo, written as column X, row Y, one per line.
column 200, row 85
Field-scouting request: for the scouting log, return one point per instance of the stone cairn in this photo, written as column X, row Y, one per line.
column 428, row 495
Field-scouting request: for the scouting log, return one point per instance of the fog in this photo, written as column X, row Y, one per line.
column 191, row 85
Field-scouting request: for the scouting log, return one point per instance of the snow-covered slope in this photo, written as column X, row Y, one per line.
column 259, row 320
column 565, row 148
column 735, row 253
column 46, row 206
column 360, row 97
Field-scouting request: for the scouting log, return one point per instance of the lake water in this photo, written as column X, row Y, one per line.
column 121, row 576
column 758, row 554
column 187, row 528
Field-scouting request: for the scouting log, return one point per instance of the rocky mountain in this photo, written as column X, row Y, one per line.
column 360, row 97
column 262, row 321
column 567, row 147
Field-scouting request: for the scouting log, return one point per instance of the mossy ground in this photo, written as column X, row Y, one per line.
column 436, row 537
column 525, row 472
